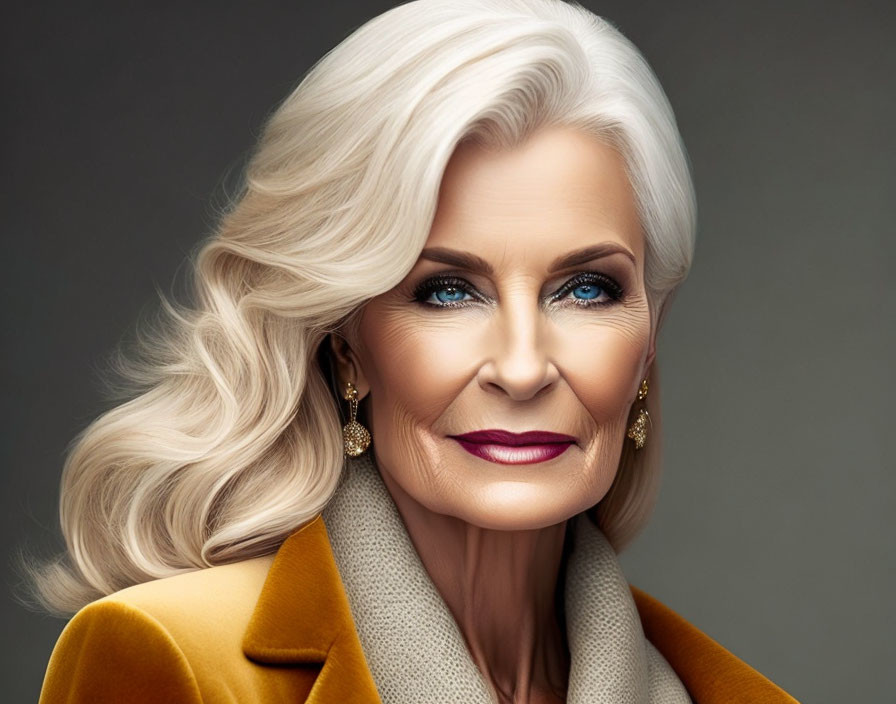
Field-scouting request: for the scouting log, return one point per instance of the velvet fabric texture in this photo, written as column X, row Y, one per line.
column 278, row 629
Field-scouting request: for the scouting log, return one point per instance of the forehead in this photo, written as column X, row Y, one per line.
column 560, row 190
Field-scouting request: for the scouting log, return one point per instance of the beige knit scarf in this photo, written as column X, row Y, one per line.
column 413, row 646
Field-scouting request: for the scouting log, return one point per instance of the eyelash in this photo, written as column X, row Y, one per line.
column 607, row 285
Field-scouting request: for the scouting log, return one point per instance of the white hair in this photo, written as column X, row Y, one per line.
column 228, row 437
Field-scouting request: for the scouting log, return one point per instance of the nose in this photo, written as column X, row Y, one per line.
column 518, row 360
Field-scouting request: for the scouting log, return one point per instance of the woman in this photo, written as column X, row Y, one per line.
column 465, row 224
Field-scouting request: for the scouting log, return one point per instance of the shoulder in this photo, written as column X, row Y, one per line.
column 195, row 606
column 709, row 671
column 158, row 641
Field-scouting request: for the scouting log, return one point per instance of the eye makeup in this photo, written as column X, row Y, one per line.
column 594, row 281
column 598, row 289
column 434, row 284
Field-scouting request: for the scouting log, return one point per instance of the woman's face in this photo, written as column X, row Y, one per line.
column 526, row 311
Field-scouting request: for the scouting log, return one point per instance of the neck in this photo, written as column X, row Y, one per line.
column 501, row 587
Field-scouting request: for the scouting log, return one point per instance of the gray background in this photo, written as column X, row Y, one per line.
column 774, row 529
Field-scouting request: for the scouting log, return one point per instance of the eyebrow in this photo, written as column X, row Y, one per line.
column 478, row 265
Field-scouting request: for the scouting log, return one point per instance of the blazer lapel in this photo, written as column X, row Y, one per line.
column 303, row 617
column 711, row 674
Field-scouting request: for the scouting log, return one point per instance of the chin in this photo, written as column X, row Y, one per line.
column 510, row 506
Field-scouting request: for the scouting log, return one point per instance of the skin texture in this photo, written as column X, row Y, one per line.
column 509, row 350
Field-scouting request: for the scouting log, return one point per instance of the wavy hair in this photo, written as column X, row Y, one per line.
column 227, row 438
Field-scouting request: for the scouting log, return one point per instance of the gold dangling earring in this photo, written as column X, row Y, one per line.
column 355, row 438
column 638, row 429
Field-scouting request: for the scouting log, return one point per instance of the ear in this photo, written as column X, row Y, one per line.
column 651, row 354
column 654, row 329
column 347, row 366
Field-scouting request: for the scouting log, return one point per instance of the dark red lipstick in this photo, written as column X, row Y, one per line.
column 504, row 447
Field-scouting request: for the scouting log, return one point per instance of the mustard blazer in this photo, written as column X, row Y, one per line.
column 278, row 629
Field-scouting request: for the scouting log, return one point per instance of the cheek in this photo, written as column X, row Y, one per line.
column 603, row 365
column 415, row 371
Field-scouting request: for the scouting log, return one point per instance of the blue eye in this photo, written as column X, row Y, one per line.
column 449, row 294
column 591, row 290
column 587, row 291
column 444, row 292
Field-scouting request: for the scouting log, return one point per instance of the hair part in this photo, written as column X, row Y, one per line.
column 229, row 437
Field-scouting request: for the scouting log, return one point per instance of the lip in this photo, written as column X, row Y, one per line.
column 504, row 447
column 505, row 437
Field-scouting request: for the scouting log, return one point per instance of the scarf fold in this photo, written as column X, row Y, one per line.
column 413, row 646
